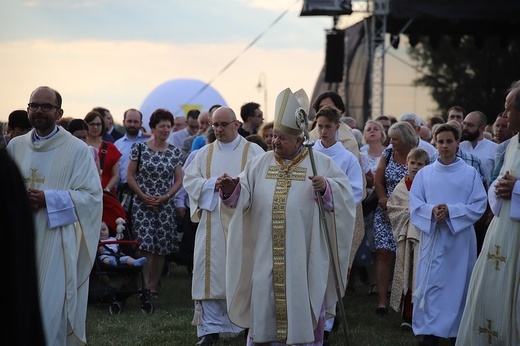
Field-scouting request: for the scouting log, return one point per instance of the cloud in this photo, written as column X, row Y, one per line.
column 119, row 75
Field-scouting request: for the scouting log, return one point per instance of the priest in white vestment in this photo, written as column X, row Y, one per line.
column 446, row 199
column 228, row 154
column 280, row 282
column 492, row 313
column 65, row 193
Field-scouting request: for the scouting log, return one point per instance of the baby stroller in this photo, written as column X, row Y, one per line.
column 115, row 284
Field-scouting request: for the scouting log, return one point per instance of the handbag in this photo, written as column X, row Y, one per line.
column 370, row 202
column 125, row 193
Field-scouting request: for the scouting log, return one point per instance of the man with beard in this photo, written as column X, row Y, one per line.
column 132, row 121
column 473, row 141
column 65, row 195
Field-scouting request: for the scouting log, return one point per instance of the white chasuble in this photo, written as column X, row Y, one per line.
column 212, row 161
column 65, row 254
column 278, row 268
column 492, row 309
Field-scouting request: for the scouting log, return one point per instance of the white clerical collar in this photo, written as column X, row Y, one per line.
column 292, row 157
column 231, row 145
column 43, row 138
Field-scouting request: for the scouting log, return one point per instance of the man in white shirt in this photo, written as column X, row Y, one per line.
column 132, row 121
column 473, row 141
column 473, row 128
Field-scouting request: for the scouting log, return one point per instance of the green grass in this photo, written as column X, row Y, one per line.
column 170, row 323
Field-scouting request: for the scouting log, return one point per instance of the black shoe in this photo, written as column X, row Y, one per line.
column 429, row 340
column 382, row 310
column 208, row 339
column 326, row 338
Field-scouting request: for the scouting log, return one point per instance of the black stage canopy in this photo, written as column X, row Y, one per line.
column 454, row 17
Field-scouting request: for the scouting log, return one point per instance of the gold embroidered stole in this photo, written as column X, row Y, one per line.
column 283, row 173
column 207, row 267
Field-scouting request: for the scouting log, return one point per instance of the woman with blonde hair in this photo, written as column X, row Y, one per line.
column 374, row 137
column 266, row 132
column 390, row 170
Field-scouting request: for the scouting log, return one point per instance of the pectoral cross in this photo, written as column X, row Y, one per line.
column 489, row 331
column 496, row 257
column 34, row 179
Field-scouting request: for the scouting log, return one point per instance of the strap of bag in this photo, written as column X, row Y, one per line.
column 103, row 154
column 138, row 158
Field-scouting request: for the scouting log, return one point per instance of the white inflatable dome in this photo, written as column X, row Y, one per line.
column 179, row 96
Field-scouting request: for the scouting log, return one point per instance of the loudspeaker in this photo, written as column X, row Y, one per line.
column 335, row 56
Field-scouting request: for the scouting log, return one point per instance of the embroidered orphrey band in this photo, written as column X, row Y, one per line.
column 207, row 264
column 283, row 174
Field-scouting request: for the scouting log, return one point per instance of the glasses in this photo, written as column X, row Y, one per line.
column 94, row 124
column 222, row 124
column 45, row 107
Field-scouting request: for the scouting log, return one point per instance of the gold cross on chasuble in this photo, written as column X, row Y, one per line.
column 489, row 331
column 34, row 179
column 497, row 257
column 284, row 174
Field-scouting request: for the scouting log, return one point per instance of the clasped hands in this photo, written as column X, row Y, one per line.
column 153, row 202
column 36, row 198
column 226, row 184
column 504, row 186
column 441, row 212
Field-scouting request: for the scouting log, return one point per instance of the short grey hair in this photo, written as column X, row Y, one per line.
column 405, row 132
column 412, row 116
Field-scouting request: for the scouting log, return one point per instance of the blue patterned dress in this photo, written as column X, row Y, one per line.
column 394, row 172
column 155, row 229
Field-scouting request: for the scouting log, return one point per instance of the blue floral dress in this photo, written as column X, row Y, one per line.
column 155, row 229
column 394, row 172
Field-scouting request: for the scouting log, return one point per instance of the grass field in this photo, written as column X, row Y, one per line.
column 170, row 323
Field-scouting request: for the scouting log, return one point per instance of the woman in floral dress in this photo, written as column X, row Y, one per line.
column 155, row 175
column 390, row 170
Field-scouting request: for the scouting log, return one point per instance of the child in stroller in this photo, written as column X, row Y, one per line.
column 109, row 252
column 114, row 284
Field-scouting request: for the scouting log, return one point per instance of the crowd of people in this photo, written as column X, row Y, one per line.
column 276, row 220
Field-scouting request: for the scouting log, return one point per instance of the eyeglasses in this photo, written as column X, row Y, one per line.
column 222, row 124
column 94, row 124
column 45, row 107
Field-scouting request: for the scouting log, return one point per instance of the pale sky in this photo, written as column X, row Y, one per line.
column 113, row 53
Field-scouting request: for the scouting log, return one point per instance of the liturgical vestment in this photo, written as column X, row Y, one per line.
column 492, row 313
column 276, row 247
column 63, row 167
column 447, row 250
column 211, row 161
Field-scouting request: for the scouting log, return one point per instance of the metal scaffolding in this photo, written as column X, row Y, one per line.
column 377, row 52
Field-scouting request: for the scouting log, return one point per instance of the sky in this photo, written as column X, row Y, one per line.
column 114, row 53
